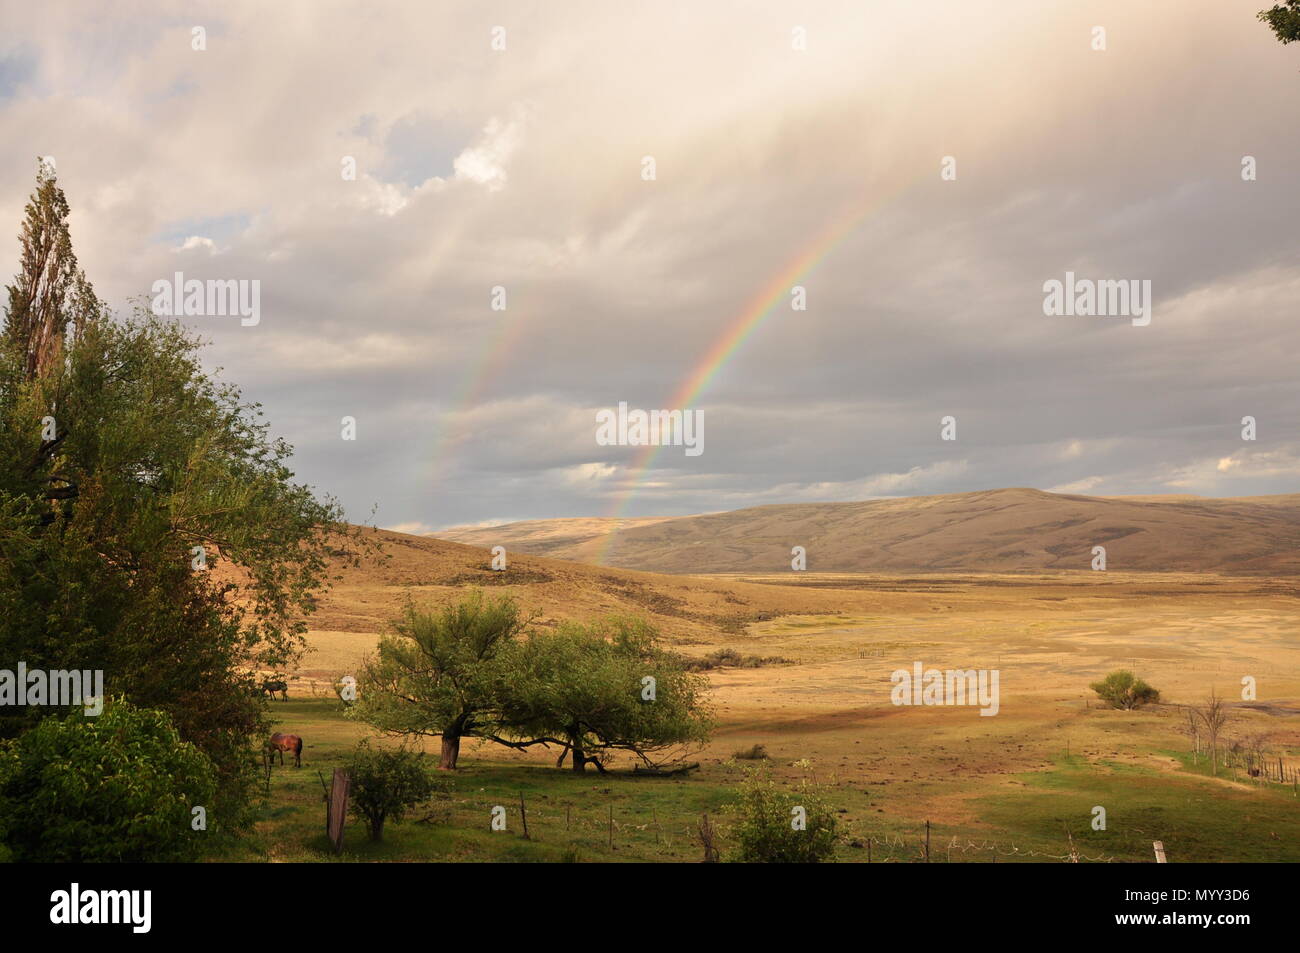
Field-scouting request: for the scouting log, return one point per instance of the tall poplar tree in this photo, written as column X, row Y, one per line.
column 150, row 526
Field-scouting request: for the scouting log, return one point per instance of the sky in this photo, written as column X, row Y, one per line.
column 919, row 170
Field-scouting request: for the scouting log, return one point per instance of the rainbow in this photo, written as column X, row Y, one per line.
column 729, row 342
column 482, row 371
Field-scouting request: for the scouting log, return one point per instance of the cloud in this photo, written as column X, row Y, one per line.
column 1086, row 485
column 522, row 169
column 485, row 162
column 198, row 241
column 413, row 529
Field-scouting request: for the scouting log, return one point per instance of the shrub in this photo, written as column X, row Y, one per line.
column 1122, row 689
column 754, row 753
column 386, row 784
column 765, row 823
column 730, row 658
column 117, row 787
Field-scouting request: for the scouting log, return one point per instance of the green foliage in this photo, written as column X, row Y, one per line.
column 117, row 787
column 601, row 687
column 1122, row 689
column 767, row 829
column 51, row 296
column 388, row 783
column 439, row 672
column 1284, row 20
column 461, row 671
column 149, row 458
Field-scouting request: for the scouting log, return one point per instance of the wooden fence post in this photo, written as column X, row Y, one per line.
column 338, row 808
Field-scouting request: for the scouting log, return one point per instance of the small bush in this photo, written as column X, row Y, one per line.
column 117, row 787
column 386, row 784
column 730, row 658
column 1122, row 689
column 766, row 828
column 755, row 753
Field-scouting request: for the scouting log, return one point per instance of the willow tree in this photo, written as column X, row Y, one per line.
column 149, row 524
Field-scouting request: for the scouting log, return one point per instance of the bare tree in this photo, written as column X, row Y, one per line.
column 1214, row 715
column 1193, row 729
column 1257, row 757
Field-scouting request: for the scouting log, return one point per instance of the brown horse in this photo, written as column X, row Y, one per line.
column 282, row 743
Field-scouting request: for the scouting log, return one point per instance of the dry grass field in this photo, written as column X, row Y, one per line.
column 1025, row 779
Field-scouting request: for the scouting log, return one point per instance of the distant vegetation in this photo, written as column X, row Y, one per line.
column 1122, row 689
column 730, row 658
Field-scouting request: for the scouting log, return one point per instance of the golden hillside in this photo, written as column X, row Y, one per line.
column 1010, row 530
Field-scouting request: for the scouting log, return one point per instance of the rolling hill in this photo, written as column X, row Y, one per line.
column 1005, row 530
column 369, row 589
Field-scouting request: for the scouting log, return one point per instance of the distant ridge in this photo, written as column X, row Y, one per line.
column 991, row 530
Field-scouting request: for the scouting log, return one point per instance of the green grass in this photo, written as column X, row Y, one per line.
column 1198, row 818
column 654, row 818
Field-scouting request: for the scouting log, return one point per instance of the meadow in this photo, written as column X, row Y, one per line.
column 1020, row 786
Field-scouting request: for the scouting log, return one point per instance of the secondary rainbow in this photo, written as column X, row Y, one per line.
column 737, row 332
column 493, row 355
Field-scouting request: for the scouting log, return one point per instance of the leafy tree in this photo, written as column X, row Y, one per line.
column 116, row 787
column 772, row 826
column 1284, row 20
column 50, row 293
column 1122, row 689
column 599, row 688
column 149, row 525
column 386, row 784
column 439, row 673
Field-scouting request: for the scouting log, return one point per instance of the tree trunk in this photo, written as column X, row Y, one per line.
column 450, row 751
column 579, row 759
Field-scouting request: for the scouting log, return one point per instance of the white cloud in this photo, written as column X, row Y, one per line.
column 485, row 162
column 1086, row 485
column 198, row 241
